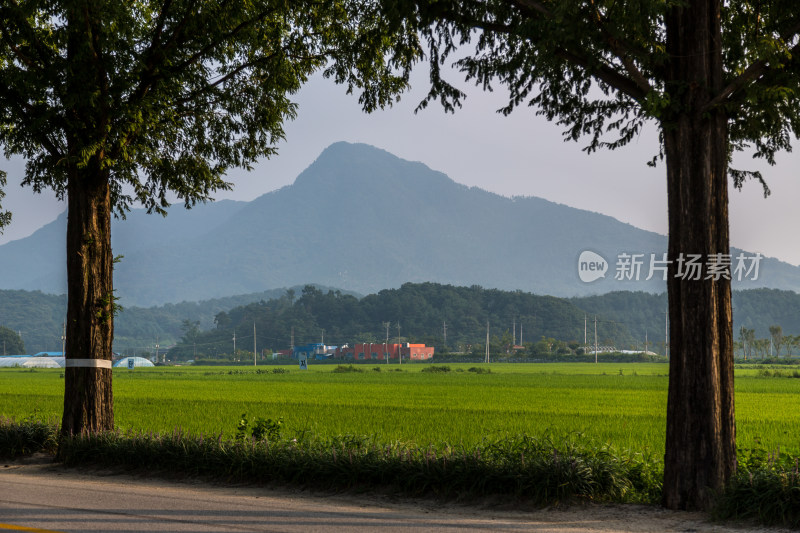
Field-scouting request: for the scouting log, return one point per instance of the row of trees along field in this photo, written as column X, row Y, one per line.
column 113, row 103
column 775, row 345
column 425, row 312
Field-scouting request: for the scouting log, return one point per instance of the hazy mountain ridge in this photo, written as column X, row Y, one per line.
column 360, row 219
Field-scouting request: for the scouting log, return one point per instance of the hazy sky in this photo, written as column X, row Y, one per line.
column 521, row 154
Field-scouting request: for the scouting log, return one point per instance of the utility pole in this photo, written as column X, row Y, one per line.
column 595, row 339
column 291, row 343
column 487, row 341
column 645, row 340
column 584, row 331
column 64, row 340
column 234, row 345
column 520, row 331
column 156, row 349
column 254, row 344
column 386, row 344
column 400, row 344
column 514, row 334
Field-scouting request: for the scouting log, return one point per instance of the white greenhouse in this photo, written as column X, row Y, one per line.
column 44, row 362
column 137, row 362
column 27, row 361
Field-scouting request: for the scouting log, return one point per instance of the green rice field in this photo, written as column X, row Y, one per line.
column 622, row 404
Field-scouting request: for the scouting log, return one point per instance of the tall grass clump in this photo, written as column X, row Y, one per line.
column 537, row 470
column 765, row 489
column 24, row 438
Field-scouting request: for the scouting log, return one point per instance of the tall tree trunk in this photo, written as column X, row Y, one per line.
column 700, row 443
column 88, row 400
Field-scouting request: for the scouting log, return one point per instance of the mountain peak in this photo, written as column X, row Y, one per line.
column 344, row 164
column 362, row 219
column 348, row 149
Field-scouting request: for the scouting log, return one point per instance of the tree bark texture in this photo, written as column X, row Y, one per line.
column 700, row 439
column 88, row 400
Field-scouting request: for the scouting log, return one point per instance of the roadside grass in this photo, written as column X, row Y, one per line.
column 765, row 489
column 535, row 470
column 30, row 436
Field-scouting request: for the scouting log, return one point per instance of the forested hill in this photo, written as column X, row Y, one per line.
column 644, row 313
column 624, row 319
column 422, row 310
column 40, row 318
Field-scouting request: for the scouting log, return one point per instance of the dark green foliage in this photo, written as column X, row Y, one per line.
column 759, row 309
column 612, row 357
column 641, row 312
column 768, row 362
column 623, row 317
column 433, row 369
column 5, row 216
column 548, row 55
column 539, row 471
column 342, row 369
column 767, row 373
column 10, row 342
column 260, row 429
column 765, row 489
column 40, row 317
column 26, row 437
column 419, row 307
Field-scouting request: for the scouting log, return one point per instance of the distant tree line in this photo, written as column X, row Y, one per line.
column 447, row 317
column 547, row 324
column 776, row 344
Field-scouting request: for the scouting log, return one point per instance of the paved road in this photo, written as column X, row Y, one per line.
column 46, row 498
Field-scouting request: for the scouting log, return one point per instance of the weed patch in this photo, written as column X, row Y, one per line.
column 433, row 369
column 766, row 488
column 344, row 369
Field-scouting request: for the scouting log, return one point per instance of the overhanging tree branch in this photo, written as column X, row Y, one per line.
column 636, row 86
column 752, row 74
